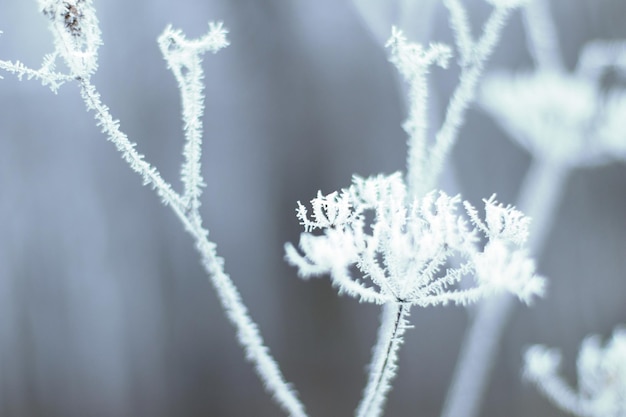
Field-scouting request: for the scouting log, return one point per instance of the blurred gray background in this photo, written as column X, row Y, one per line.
column 104, row 307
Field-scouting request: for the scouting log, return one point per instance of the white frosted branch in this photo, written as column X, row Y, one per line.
column 247, row 331
column 461, row 29
column 461, row 297
column 81, row 56
column 339, row 275
column 236, row 311
column 346, row 284
column 413, row 62
column 46, row 74
column 183, row 58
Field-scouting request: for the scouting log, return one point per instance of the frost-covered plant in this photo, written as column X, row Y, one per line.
column 403, row 235
column 403, row 257
column 601, row 376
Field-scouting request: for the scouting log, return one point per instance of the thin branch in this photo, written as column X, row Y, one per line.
column 45, row 74
column 135, row 160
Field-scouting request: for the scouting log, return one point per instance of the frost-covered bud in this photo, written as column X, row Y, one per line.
column 76, row 33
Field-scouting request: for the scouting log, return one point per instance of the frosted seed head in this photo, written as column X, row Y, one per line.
column 76, row 33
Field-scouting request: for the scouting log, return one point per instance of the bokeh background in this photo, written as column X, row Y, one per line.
column 104, row 307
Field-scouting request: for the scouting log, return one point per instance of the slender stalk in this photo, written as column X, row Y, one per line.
column 247, row 330
column 539, row 198
column 385, row 358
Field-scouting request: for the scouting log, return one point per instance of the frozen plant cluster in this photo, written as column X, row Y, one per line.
column 404, row 255
column 398, row 240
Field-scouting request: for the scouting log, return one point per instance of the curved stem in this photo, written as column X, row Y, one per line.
column 247, row 331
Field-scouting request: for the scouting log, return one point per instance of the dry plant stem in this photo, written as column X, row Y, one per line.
column 383, row 366
column 540, row 194
column 464, row 93
column 247, row 331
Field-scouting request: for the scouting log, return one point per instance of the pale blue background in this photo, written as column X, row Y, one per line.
column 104, row 308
